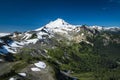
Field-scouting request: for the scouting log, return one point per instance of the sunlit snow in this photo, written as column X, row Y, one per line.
column 40, row 64
column 35, row 69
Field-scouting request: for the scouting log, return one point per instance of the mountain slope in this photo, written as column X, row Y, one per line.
column 58, row 26
column 68, row 52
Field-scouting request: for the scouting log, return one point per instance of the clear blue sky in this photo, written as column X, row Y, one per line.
column 22, row 15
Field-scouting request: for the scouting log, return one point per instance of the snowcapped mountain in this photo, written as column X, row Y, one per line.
column 58, row 25
column 12, row 43
column 4, row 34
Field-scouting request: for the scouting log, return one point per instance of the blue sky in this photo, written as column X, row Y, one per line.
column 22, row 15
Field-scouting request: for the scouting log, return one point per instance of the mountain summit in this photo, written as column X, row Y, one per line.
column 58, row 24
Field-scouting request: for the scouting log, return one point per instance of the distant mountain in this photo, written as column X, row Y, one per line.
column 61, row 51
column 4, row 34
column 10, row 43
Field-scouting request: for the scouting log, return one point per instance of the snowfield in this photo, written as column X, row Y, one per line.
column 7, row 49
column 12, row 46
column 1, row 60
column 4, row 34
column 22, row 74
column 12, row 78
column 35, row 69
column 40, row 64
column 1, row 41
column 31, row 41
column 58, row 25
column 15, row 44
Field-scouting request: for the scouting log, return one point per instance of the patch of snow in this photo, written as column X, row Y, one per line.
column 38, row 29
column 82, row 34
column 12, row 47
column 104, row 28
column 60, row 31
column 3, row 50
column 39, row 35
column 40, row 64
column 111, row 27
column 4, row 34
column 1, row 41
column 1, row 60
column 15, row 44
column 35, row 69
column 96, row 27
column 22, row 74
column 12, row 78
column 31, row 41
column 14, row 35
column 27, row 36
column 7, row 49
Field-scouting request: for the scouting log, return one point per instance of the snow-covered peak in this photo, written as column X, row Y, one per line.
column 96, row 27
column 105, row 28
column 59, row 26
column 115, row 27
column 57, row 23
